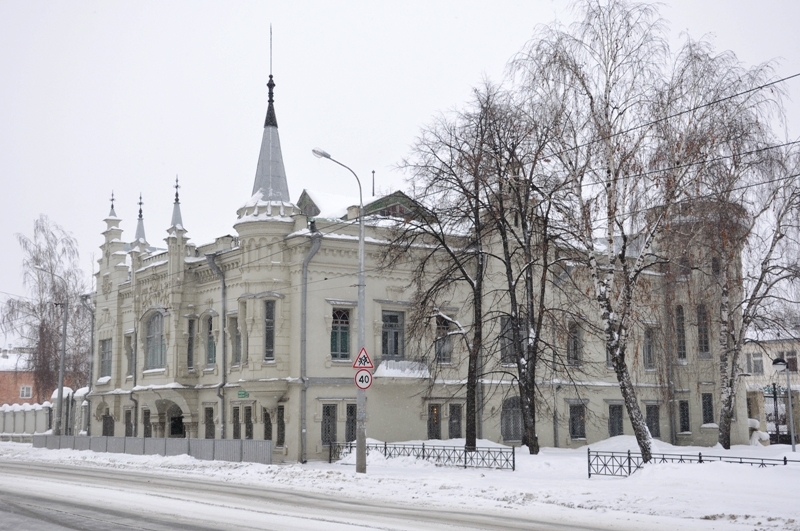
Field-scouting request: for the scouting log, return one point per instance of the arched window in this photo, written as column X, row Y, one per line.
column 154, row 345
column 511, row 419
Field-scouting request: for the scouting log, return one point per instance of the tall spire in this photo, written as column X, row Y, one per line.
column 270, row 179
column 177, row 221
column 140, row 225
column 112, row 213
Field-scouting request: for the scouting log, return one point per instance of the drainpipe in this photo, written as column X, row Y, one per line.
column 134, row 400
column 211, row 259
column 316, row 241
column 84, row 300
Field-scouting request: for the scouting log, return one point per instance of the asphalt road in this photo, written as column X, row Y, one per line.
column 51, row 497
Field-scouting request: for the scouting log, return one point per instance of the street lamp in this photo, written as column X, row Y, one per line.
column 361, row 396
column 60, row 398
column 779, row 365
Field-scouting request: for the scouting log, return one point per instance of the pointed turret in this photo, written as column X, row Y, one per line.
column 177, row 221
column 112, row 214
column 270, row 181
column 140, row 225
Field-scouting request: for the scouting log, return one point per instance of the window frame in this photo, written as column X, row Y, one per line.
column 512, row 426
column 652, row 416
column 649, row 349
column 328, row 424
column 707, row 401
column 269, row 330
column 506, row 341
column 340, row 334
column 680, row 334
column 684, row 417
column 616, row 422
column 393, row 335
column 211, row 343
column 105, row 357
column 26, row 391
column 703, row 333
column 577, row 421
column 574, row 345
column 191, row 330
column 155, row 344
column 443, row 344
column 236, row 339
column 454, row 421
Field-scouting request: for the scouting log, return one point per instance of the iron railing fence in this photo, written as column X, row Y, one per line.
column 500, row 458
column 624, row 464
column 236, row 450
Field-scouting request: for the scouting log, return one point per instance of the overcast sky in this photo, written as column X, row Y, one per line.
column 98, row 96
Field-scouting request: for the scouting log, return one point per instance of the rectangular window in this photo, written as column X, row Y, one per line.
column 128, row 423
column 237, row 426
column 577, row 421
column 434, row 421
column 791, row 360
column 328, row 423
column 651, row 414
column 680, row 334
column 614, row 420
column 340, row 334
column 350, row 425
column 708, row 408
column 105, row 357
column 574, row 345
column 507, row 356
column 649, row 348
column 129, row 355
column 248, row 422
column 392, row 336
column 269, row 330
column 454, row 425
column 267, row 425
column 281, row 436
column 444, row 341
column 683, row 416
column 148, row 428
column 209, row 422
column 236, row 340
column 25, row 391
column 211, row 345
column 703, row 344
column 755, row 362
column 190, row 344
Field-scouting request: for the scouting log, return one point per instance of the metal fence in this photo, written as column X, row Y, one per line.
column 237, row 450
column 624, row 464
column 501, row 458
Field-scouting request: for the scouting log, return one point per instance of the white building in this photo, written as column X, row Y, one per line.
column 250, row 336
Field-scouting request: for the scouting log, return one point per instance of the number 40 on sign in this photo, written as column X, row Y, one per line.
column 363, row 379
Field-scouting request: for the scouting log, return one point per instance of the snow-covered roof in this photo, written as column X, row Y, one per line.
column 13, row 361
column 331, row 206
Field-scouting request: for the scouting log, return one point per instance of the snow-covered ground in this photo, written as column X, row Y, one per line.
column 707, row 496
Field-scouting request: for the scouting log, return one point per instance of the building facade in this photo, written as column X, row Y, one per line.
column 252, row 336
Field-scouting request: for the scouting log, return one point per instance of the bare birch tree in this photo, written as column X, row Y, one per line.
column 52, row 277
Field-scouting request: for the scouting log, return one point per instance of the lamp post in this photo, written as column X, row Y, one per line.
column 60, row 398
column 779, row 365
column 361, row 396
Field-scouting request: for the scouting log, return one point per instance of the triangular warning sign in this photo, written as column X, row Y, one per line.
column 363, row 361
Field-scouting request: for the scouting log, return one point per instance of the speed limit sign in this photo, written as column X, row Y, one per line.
column 363, row 379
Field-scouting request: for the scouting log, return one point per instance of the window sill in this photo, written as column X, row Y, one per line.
column 340, row 361
column 682, row 362
column 684, row 434
column 160, row 370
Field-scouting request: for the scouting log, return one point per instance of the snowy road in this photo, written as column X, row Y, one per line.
column 55, row 497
